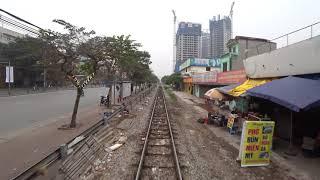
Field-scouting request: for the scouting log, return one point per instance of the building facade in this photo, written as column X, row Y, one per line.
column 220, row 34
column 196, row 65
column 205, row 45
column 188, row 42
column 242, row 47
column 7, row 35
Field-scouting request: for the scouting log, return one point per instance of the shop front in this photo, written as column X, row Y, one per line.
column 187, row 85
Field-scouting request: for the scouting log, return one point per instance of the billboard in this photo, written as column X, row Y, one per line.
column 126, row 89
column 9, row 74
column 207, row 77
column 205, row 62
column 256, row 142
column 232, row 77
column 200, row 62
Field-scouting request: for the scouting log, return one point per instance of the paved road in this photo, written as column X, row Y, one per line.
column 20, row 112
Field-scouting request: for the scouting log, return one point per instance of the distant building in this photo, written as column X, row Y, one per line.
column 220, row 34
column 205, row 44
column 188, row 42
column 7, row 35
column 242, row 47
column 196, row 65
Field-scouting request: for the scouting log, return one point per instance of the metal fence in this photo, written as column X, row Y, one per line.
column 298, row 35
column 57, row 154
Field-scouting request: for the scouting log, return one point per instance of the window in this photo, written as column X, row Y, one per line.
column 225, row 67
column 208, row 68
column 234, row 49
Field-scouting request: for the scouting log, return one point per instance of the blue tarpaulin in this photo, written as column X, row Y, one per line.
column 291, row 92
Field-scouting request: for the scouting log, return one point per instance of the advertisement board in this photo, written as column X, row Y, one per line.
column 207, row 77
column 126, row 89
column 9, row 74
column 256, row 142
column 200, row 62
column 231, row 77
column 230, row 121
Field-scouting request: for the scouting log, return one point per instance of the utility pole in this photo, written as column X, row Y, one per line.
column 174, row 40
column 231, row 18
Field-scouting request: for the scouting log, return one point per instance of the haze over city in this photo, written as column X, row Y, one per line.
column 151, row 22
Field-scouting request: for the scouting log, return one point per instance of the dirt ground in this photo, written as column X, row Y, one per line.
column 201, row 153
column 122, row 163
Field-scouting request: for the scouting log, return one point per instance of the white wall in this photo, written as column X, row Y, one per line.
column 299, row 58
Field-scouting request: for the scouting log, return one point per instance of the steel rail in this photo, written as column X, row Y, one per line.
column 172, row 140
column 54, row 156
column 176, row 161
column 146, row 141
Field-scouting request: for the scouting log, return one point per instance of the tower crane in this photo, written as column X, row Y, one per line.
column 174, row 39
column 231, row 17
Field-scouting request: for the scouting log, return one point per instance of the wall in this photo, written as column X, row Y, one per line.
column 299, row 58
column 251, row 46
column 225, row 59
column 7, row 35
column 196, row 90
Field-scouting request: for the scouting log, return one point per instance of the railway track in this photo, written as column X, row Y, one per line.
column 159, row 158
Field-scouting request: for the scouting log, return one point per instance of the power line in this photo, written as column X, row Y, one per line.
column 20, row 19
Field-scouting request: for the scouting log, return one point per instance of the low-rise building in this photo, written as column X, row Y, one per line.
column 196, row 65
column 240, row 48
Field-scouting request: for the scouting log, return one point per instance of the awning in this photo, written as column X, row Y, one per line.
column 291, row 92
column 214, row 94
column 226, row 89
column 248, row 84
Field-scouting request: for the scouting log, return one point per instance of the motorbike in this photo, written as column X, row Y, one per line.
column 104, row 100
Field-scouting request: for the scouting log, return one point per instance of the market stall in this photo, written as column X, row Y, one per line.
column 297, row 95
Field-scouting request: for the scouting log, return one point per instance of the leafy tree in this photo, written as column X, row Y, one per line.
column 71, row 49
column 77, row 51
column 174, row 79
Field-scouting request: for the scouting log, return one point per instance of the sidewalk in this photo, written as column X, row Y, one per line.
column 300, row 169
column 25, row 91
column 24, row 150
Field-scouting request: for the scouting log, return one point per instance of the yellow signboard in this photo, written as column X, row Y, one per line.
column 230, row 121
column 256, row 142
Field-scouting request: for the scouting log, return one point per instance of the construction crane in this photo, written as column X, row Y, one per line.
column 231, row 17
column 174, row 40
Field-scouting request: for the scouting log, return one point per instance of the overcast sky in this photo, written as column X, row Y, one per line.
column 150, row 22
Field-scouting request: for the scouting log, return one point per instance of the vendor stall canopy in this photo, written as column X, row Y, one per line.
column 248, row 84
column 291, row 92
column 226, row 89
column 214, row 94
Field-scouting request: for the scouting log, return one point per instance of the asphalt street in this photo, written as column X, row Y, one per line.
column 22, row 112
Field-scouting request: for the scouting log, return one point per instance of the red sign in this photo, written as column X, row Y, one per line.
column 231, row 77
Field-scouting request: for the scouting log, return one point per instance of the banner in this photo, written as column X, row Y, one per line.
column 230, row 121
column 206, row 77
column 9, row 74
column 256, row 142
column 231, row 77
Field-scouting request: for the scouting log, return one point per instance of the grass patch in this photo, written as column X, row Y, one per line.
column 170, row 93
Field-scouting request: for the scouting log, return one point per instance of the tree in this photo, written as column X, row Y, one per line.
column 23, row 54
column 77, row 51
column 174, row 79
column 69, row 50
